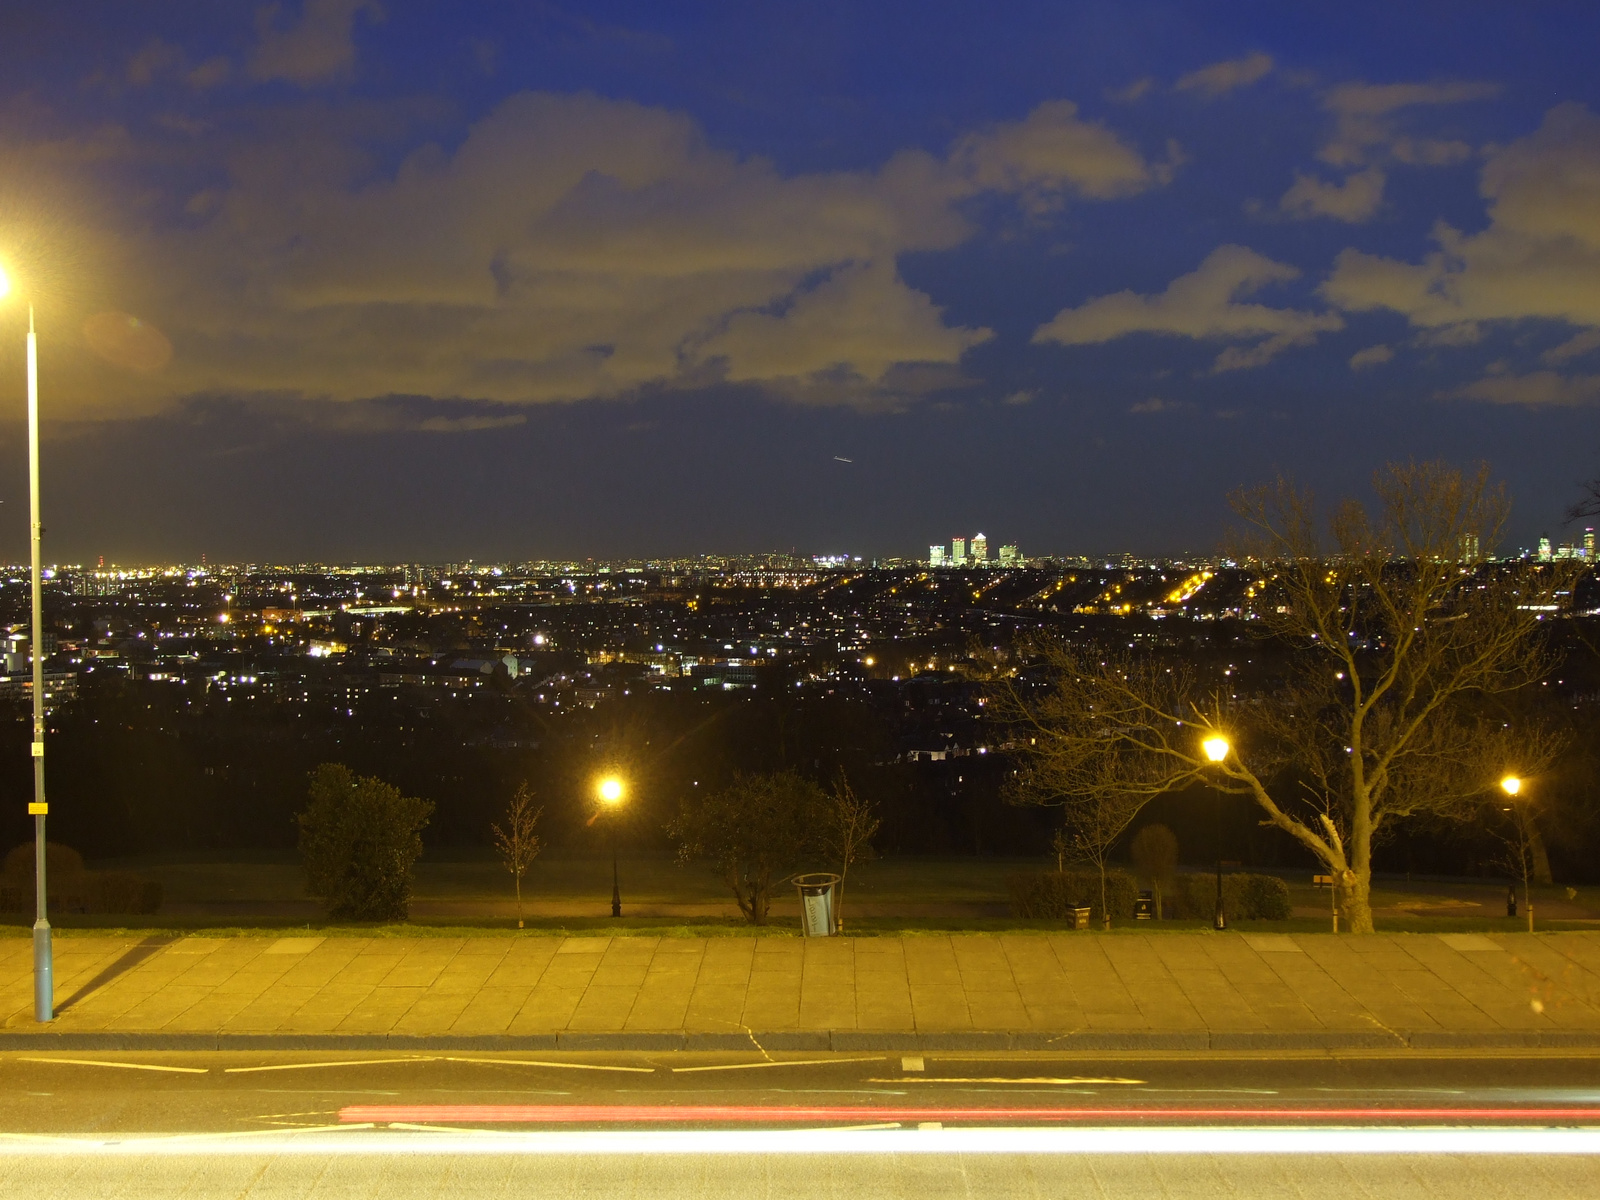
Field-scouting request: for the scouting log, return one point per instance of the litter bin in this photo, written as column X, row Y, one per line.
column 1144, row 908
column 1080, row 917
column 816, row 902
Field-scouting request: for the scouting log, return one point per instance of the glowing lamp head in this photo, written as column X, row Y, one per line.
column 1511, row 785
column 1216, row 747
column 610, row 790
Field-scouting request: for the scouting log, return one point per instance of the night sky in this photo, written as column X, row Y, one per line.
column 341, row 279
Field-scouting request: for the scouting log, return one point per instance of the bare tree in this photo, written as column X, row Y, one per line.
column 1154, row 851
column 1096, row 822
column 517, row 842
column 851, row 822
column 1397, row 637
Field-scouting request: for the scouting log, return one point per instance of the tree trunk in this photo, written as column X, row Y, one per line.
column 838, row 899
column 1356, row 895
column 518, row 879
column 1540, row 856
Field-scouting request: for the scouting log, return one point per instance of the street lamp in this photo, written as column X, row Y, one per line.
column 1512, row 786
column 43, row 982
column 610, row 791
column 1216, row 748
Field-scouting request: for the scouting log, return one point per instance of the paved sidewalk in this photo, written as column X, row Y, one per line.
column 1083, row 991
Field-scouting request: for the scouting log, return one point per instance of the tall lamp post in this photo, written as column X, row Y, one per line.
column 43, row 972
column 1216, row 748
column 610, row 791
column 1512, row 786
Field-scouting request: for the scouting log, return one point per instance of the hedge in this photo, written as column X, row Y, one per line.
column 1052, row 895
column 1244, row 896
column 88, row 892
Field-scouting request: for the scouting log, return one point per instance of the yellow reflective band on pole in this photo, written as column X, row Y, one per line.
column 36, row 809
column 38, row 749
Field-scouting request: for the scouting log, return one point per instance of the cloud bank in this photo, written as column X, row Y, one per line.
column 1206, row 304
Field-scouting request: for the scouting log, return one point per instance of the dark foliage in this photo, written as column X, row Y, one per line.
column 359, row 838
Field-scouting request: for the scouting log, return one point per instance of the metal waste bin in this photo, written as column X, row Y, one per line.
column 1144, row 908
column 1080, row 916
column 816, row 902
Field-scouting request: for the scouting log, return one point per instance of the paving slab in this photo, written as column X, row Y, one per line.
column 1135, row 990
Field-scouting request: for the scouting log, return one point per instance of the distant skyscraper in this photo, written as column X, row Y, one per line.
column 1544, row 549
column 980, row 549
column 1469, row 547
column 936, row 556
column 958, row 552
column 1009, row 556
column 1588, row 544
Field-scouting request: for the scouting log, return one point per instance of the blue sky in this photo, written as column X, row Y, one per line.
column 341, row 278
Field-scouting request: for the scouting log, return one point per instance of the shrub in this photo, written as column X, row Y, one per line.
column 359, row 839
column 1052, row 895
column 60, row 862
column 121, row 892
column 1244, row 896
column 752, row 832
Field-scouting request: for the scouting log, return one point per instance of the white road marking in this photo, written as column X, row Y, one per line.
column 306, row 1066
column 126, row 1066
column 1071, row 1079
column 1200, row 1141
column 533, row 1062
column 788, row 1062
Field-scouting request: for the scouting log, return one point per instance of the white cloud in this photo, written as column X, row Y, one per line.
column 317, row 48
column 1540, row 389
column 1584, row 342
column 1367, row 134
column 1156, row 404
column 1372, row 356
column 1222, row 77
column 1052, row 152
column 1205, row 304
column 1354, row 199
column 567, row 247
column 861, row 318
column 1539, row 256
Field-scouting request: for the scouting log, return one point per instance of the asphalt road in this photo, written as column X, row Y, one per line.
column 291, row 1124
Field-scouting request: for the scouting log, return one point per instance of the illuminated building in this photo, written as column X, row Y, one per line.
column 1588, row 545
column 980, row 549
column 1009, row 557
column 936, row 556
column 958, row 552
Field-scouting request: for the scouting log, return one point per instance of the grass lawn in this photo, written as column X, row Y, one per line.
column 567, row 895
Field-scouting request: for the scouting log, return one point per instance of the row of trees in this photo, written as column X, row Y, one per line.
column 1400, row 695
column 360, row 838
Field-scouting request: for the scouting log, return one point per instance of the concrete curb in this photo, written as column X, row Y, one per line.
column 842, row 1040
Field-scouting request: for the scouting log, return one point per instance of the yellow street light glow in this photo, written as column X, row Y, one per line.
column 610, row 790
column 5, row 282
column 1216, row 747
column 1511, row 784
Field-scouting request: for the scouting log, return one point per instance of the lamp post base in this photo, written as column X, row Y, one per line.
column 44, row 991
